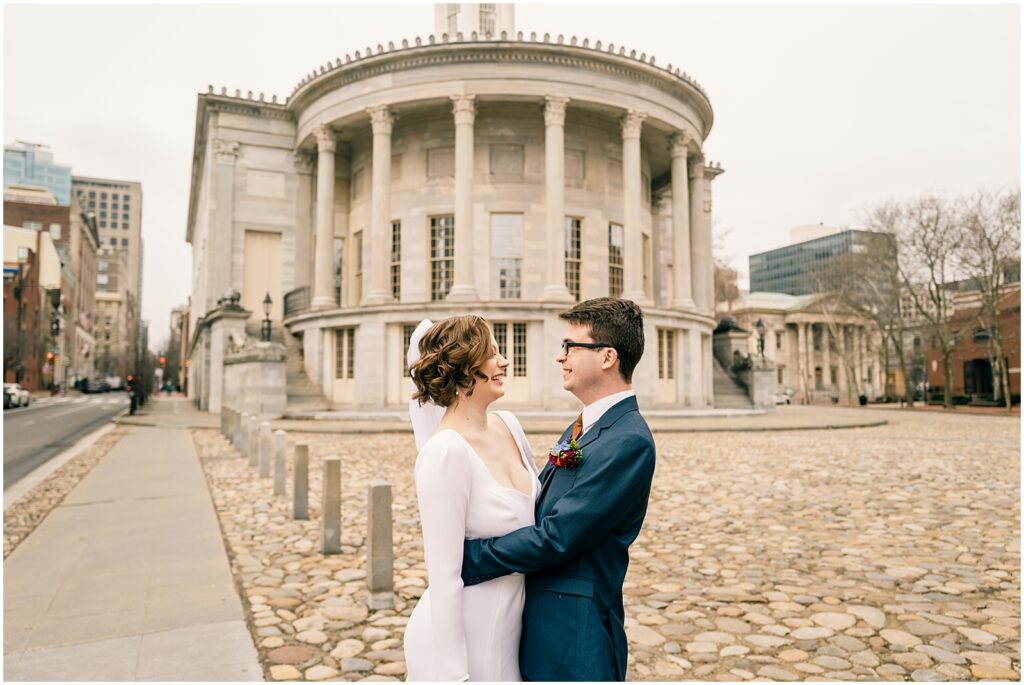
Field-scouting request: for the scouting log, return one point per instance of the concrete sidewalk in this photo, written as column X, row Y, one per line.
column 128, row 578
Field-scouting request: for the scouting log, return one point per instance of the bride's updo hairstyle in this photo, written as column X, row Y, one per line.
column 451, row 354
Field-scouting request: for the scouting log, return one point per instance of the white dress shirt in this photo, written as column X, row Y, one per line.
column 593, row 412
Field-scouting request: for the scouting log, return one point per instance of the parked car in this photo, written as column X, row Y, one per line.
column 783, row 397
column 15, row 395
column 115, row 383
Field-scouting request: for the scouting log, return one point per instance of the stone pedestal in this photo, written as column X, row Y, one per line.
column 762, row 386
column 254, row 379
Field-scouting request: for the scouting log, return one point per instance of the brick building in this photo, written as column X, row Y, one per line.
column 972, row 368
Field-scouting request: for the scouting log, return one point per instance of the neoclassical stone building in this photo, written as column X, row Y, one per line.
column 490, row 172
column 812, row 346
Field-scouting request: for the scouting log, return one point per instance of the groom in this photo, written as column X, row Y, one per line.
column 588, row 513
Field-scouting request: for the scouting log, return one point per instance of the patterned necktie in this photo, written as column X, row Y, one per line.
column 577, row 428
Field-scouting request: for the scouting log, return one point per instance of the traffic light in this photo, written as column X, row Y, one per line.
column 163, row 360
column 51, row 357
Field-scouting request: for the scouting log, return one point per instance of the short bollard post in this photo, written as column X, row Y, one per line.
column 232, row 425
column 330, row 502
column 223, row 421
column 380, row 554
column 300, row 484
column 253, row 449
column 243, row 423
column 280, row 450
column 266, row 449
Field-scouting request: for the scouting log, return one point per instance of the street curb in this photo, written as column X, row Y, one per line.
column 16, row 492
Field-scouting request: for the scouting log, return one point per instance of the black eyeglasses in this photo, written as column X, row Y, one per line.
column 568, row 345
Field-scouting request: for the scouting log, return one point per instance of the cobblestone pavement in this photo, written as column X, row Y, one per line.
column 887, row 553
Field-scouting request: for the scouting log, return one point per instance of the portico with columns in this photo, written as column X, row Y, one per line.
column 431, row 183
column 813, row 348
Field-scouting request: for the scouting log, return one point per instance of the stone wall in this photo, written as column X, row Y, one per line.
column 254, row 380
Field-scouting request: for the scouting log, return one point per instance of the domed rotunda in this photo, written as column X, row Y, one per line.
column 476, row 170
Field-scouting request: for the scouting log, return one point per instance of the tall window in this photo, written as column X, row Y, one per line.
column 778, row 340
column 407, row 330
column 519, row 350
column 442, row 255
column 516, row 356
column 616, row 240
column 506, row 255
column 572, row 255
column 339, row 251
column 396, row 259
column 345, row 353
column 666, row 354
column 357, row 269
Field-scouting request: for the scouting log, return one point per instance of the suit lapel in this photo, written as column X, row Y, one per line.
column 613, row 414
column 616, row 412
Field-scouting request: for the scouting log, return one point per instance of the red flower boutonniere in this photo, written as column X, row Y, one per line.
column 566, row 455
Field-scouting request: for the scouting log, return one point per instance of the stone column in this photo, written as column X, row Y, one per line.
column 554, row 180
column 323, row 275
column 379, row 291
column 682, row 291
column 303, row 216
column 826, row 358
column 801, row 358
column 464, row 288
column 693, row 351
column 858, row 355
column 700, row 238
column 633, row 258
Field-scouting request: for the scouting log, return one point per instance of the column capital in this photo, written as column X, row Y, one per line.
column 464, row 108
column 554, row 110
column 325, row 139
column 632, row 123
column 697, row 165
column 226, row 150
column 680, row 144
column 303, row 162
column 381, row 119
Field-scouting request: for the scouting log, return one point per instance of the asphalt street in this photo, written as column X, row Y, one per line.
column 47, row 427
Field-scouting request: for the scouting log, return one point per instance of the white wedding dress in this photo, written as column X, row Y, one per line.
column 456, row 632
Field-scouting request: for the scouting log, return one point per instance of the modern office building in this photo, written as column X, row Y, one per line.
column 797, row 269
column 486, row 171
column 32, row 164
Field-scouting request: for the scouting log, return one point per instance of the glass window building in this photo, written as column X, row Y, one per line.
column 792, row 269
column 32, row 164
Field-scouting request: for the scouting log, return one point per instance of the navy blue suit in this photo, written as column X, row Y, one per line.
column 576, row 556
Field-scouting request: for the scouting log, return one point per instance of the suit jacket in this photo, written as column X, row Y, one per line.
column 576, row 555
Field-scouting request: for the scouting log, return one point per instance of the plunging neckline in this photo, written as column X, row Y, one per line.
column 522, row 458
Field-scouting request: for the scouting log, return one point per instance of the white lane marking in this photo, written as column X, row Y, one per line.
column 69, row 410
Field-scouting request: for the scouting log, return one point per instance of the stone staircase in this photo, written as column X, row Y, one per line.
column 728, row 393
column 303, row 394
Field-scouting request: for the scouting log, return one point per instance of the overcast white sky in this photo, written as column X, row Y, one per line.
column 820, row 110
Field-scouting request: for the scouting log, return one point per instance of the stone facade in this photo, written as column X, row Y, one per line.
column 507, row 176
column 812, row 348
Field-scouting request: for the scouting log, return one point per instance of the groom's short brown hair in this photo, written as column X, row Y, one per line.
column 614, row 321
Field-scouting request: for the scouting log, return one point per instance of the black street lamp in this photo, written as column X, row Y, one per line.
column 265, row 332
column 760, row 327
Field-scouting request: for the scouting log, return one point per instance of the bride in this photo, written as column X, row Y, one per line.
column 475, row 478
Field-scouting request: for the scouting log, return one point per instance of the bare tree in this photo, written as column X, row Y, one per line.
column 990, row 246
column 928, row 234
column 876, row 289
